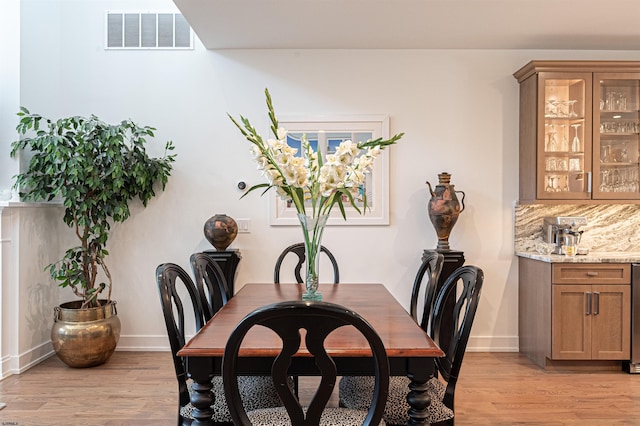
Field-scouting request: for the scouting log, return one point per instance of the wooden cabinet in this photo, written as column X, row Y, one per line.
column 574, row 311
column 579, row 130
column 590, row 322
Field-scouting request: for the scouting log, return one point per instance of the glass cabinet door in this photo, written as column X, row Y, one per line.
column 616, row 142
column 564, row 136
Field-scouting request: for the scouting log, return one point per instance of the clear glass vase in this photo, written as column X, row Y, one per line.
column 312, row 229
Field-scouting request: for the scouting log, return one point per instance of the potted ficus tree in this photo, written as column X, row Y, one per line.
column 95, row 169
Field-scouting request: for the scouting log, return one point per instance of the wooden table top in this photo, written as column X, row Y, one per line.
column 401, row 336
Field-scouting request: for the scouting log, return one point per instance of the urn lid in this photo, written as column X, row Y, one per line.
column 444, row 177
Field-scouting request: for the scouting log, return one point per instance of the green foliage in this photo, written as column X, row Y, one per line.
column 96, row 169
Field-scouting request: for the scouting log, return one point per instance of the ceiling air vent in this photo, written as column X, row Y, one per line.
column 147, row 30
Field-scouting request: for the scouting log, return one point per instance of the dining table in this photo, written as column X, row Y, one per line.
column 410, row 350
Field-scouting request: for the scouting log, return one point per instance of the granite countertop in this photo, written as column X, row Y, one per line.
column 592, row 257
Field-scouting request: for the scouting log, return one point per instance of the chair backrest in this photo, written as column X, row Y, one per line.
column 170, row 278
column 466, row 299
column 319, row 319
column 425, row 283
column 211, row 284
column 298, row 249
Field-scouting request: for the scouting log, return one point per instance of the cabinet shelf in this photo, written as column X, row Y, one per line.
column 552, row 173
column 562, row 118
column 619, row 164
column 620, row 111
column 563, row 154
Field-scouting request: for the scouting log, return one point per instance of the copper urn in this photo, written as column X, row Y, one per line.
column 444, row 209
column 220, row 230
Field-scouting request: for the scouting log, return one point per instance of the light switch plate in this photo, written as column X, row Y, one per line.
column 244, row 226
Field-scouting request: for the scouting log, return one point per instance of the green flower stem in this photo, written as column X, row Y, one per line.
column 312, row 229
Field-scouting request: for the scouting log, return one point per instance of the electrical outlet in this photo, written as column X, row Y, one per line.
column 243, row 226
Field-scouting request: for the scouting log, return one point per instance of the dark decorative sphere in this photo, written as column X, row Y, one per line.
column 220, row 230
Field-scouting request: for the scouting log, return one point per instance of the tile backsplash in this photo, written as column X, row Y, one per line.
column 610, row 227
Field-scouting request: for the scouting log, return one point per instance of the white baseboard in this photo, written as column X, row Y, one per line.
column 143, row 343
column 4, row 367
column 24, row 361
column 493, row 344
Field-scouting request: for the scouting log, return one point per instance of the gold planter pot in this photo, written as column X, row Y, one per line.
column 85, row 337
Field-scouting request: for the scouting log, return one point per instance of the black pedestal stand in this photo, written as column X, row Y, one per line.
column 453, row 259
column 228, row 261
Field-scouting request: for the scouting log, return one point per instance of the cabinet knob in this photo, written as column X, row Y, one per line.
column 592, row 274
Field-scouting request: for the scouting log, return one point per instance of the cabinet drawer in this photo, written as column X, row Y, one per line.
column 591, row 273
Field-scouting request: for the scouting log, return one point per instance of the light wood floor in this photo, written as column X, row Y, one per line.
column 138, row 388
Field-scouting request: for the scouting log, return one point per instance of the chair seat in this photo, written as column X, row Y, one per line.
column 256, row 392
column 332, row 416
column 356, row 391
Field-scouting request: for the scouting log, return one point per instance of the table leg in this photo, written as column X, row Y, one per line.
column 420, row 371
column 200, row 370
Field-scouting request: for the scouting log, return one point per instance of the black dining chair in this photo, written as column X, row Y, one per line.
column 298, row 249
column 425, row 283
column 318, row 319
column 210, row 282
column 256, row 392
column 463, row 288
column 355, row 390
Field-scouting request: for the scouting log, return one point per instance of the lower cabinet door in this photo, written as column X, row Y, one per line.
column 611, row 322
column 570, row 323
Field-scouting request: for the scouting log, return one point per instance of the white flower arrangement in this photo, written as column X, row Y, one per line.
column 322, row 181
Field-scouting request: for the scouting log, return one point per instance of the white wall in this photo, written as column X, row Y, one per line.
column 9, row 86
column 458, row 108
column 29, row 239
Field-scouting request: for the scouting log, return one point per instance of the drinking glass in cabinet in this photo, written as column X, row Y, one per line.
column 615, row 101
column 556, row 108
column 550, row 164
column 621, row 127
column 619, row 180
column 575, row 144
column 574, row 164
column 605, row 154
column 552, row 143
column 552, row 184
